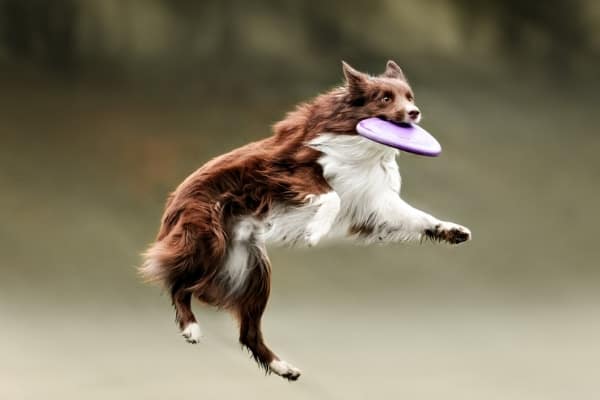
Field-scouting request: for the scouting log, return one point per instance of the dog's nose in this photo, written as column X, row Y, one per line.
column 414, row 114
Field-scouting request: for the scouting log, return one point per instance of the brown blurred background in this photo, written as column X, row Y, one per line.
column 105, row 106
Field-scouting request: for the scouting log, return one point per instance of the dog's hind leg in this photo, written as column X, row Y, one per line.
column 182, row 302
column 249, row 309
column 164, row 264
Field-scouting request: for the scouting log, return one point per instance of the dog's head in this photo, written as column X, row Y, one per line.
column 387, row 96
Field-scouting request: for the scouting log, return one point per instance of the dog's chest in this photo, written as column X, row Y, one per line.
column 363, row 187
column 360, row 172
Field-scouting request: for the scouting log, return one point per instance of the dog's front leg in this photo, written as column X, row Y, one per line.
column 320, row 224
column 402, row 222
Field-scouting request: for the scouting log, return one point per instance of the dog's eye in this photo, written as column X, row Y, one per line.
column 386, row 99
column 409, row 97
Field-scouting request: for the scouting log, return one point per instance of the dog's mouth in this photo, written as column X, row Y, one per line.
column 401, row 123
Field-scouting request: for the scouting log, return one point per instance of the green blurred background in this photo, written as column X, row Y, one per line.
column 105, row 106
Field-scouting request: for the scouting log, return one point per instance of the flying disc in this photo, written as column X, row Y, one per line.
column 406, row 137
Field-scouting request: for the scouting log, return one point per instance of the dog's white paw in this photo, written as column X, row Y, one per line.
column 192, row 333
column 285, row 370
column 312, row 238
column 320, row 224
column 315, row 232
column 449, row 232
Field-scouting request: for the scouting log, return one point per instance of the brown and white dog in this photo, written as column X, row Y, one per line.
column 315, row 178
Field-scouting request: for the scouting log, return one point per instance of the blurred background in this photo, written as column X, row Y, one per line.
column 105, row 106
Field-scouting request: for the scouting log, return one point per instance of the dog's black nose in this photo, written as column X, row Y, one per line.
column 413, row 114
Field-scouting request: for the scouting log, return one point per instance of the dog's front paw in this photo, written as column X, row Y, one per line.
column 314, row 234
column 312, row 239
column 449, row 232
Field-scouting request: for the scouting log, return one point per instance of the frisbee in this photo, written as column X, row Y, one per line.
column 407, row 137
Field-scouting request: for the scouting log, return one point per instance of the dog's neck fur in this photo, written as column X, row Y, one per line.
column 361, row 172
column 357, row 169
column 330, row 112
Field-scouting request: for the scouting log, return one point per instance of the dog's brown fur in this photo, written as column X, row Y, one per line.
column 196, row 228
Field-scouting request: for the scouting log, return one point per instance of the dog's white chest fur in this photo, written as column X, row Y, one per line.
column 363, row 176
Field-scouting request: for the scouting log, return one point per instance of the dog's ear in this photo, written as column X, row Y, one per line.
column 355, row 81
column 393, row 70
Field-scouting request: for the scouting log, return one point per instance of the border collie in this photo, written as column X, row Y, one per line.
column 314, row 178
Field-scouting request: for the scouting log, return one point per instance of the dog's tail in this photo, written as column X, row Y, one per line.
column 190, row 252
column 162, row 259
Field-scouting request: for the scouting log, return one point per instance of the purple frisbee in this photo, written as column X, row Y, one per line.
column 407, row 137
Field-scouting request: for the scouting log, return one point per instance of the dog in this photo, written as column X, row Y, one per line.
column 314, row 178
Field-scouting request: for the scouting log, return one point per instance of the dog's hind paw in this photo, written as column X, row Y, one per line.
column 192, row 333
column 449, row 232
column 285, row 370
